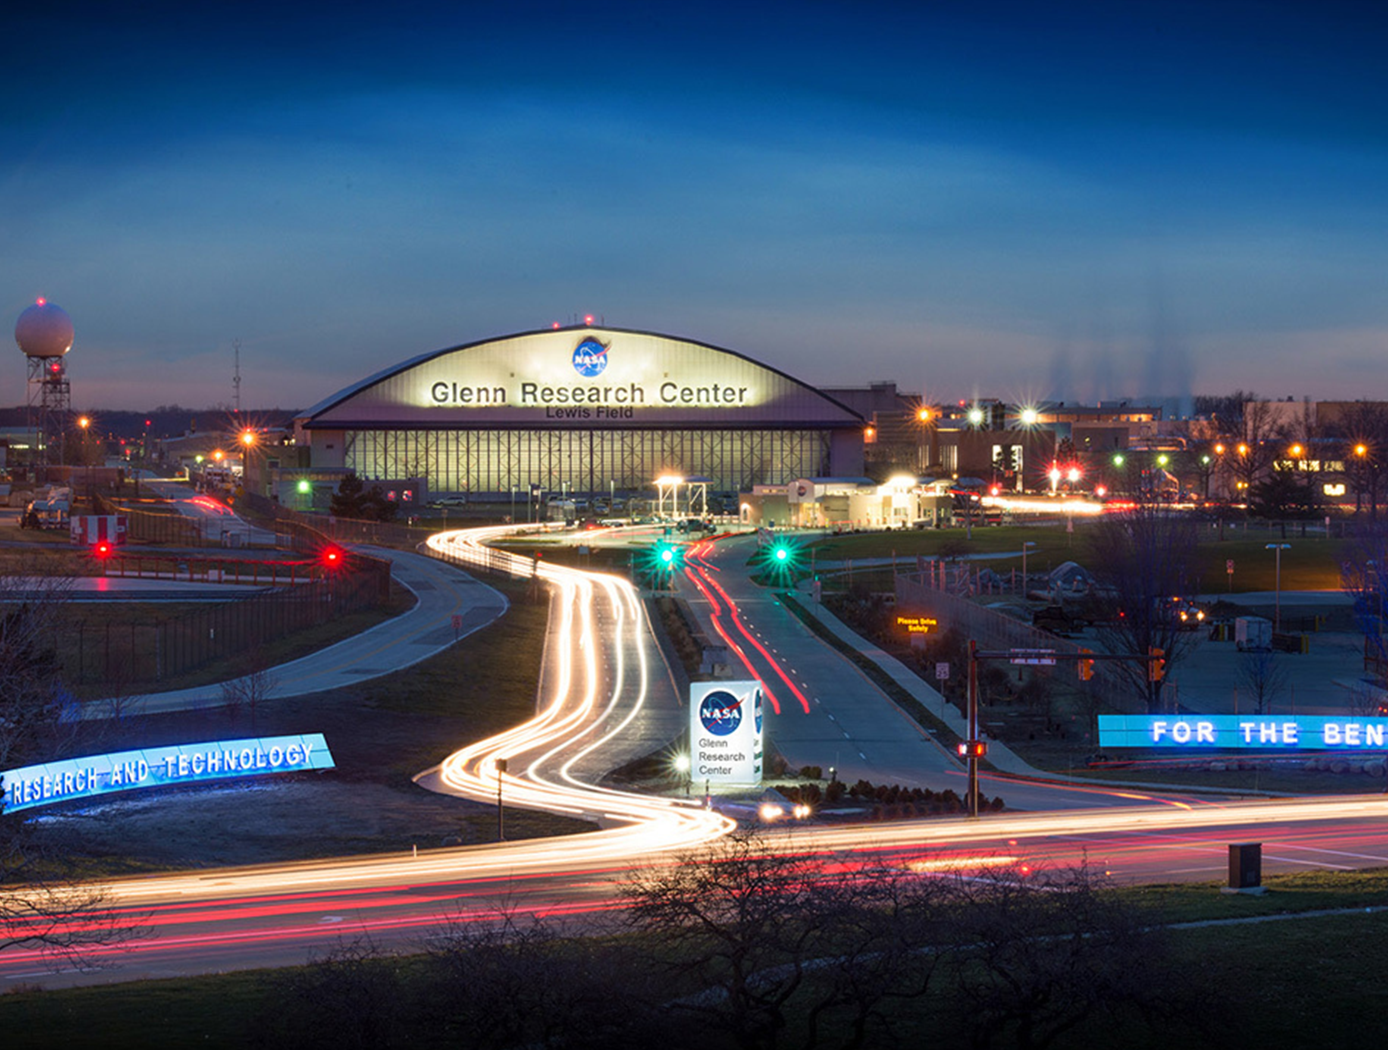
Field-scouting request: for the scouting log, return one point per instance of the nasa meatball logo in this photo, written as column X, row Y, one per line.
column 590, row 358
column 720, row 713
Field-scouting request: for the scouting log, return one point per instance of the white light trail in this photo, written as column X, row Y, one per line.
column 598, row 618
column 601, row 618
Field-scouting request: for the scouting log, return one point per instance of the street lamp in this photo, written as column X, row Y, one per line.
column 500, row 825
column 1277, row 584
column 84, row 422
column 247, row 438
column 1361, row 452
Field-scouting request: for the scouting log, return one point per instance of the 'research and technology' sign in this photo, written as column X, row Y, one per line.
column 81, row 778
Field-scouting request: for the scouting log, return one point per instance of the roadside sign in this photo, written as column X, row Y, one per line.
column 1033, row 657
column 942, row 671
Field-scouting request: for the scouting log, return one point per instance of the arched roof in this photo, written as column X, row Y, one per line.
column 579, row 376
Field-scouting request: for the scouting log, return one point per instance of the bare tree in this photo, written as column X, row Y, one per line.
column 33, row 700
column 1252, row 441
column 350, row 997
column 507, row 978
column 1364, row 577
column 1142, row 560
column 39, row 908
column 763, row 947
column 1361, row 430
column 250, row 689
column 1265, row 675
column 1033, row 956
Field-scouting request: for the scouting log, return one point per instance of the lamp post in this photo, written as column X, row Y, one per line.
column 1025, row 545
column 248, row 440
column 500, row 823
column 1361, row 452
column 84, row 422
column 1277, row 584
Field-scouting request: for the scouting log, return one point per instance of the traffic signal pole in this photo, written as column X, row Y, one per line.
column 974, row 748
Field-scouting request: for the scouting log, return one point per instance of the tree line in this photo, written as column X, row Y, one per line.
column 746, row 946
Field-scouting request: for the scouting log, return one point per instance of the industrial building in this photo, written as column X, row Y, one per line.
column 581, row 410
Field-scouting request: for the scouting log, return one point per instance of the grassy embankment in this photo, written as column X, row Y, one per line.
column 1284, row 984
column 382, row 732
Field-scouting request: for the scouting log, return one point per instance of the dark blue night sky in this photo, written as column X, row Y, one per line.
column 1021, row 200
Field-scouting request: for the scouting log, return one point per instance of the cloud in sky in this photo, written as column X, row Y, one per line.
column 952, row 202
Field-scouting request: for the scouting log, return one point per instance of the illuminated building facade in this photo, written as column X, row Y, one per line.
column 583, row 409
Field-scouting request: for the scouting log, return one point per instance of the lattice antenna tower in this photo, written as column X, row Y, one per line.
column 44, row 332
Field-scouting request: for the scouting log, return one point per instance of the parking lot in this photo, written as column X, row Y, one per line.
column 1216, row 678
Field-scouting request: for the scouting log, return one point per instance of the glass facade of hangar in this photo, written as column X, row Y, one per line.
column 586, row 461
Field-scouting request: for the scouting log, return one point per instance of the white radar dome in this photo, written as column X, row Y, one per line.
column 44, row 330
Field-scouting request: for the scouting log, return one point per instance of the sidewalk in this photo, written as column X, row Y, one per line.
column 1003, row 758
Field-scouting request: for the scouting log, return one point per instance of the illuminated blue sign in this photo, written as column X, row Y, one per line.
column 1221, row 732
column 590, row 358
column 79, row 778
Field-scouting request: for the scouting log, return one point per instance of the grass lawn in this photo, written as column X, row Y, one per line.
column 1311, row 563
column 382, row 733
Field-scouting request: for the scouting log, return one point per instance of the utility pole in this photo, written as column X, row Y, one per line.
column 236, row 377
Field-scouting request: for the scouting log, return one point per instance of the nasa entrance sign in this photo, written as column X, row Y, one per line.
column 725, row 733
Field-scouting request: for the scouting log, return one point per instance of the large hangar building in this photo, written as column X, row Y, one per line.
column 583, row 409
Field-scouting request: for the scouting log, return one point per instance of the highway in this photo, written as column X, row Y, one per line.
column 213, row 921
column 601, row 687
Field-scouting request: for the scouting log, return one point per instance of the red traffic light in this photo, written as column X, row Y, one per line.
column 1156, row 664
column 1086, row 666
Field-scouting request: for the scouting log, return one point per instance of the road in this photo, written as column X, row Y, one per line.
column 825, row 711
column 602, row 680
column 278, row 915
